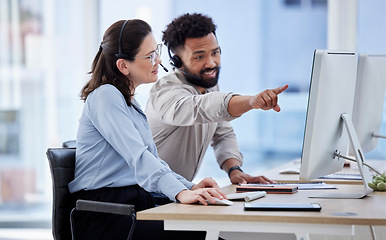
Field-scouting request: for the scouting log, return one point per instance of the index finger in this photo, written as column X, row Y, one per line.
column 218, row 193
column 281, row 89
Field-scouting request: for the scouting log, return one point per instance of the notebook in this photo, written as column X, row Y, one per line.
column 268, row 189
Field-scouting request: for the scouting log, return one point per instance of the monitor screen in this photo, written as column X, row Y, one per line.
column 331, row 94
column 369, row 99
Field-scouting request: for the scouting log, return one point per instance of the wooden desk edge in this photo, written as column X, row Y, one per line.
column 151, row 214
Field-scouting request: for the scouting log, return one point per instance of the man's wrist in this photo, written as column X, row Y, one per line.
column 233, row 169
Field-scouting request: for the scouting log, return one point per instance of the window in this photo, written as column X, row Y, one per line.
column 9, row 134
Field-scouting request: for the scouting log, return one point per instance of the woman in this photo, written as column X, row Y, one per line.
column 116, row 158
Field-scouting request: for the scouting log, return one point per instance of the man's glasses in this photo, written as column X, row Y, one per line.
column 153, row 56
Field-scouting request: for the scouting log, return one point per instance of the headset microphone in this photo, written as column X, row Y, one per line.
column 197, row 78
column 165, row 69
column 198, row 81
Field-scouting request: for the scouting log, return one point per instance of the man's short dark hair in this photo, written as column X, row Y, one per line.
column 187, row 26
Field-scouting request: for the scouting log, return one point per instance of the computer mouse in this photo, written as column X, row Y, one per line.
column 223, row 202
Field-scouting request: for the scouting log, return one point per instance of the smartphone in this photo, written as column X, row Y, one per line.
column 314, row 207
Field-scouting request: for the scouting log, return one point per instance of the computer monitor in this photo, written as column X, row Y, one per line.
column 329, row 128
column 369, row 99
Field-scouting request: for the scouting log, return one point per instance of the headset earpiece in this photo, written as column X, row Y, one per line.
column 174, row 60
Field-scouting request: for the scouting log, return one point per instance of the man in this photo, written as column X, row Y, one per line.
column 186, row 111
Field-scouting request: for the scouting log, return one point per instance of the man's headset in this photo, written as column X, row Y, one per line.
column 174, row 60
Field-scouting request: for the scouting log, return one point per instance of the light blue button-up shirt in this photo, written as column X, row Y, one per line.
column 115, row 148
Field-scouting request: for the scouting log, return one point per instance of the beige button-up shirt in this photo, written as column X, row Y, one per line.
column 184, row 122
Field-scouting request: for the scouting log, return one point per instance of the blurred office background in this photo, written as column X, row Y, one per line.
column 46, row 50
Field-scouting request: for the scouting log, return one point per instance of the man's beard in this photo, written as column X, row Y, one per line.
column 199, row 80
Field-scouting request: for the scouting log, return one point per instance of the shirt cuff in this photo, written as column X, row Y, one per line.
column 170, row 186
column 227, row 98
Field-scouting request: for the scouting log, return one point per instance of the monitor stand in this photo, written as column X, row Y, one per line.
column 360, row 159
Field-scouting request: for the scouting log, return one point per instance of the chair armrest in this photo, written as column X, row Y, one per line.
column 104, row 207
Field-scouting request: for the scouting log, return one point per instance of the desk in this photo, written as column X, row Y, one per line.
column 333, row 219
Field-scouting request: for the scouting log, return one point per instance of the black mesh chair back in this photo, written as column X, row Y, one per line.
column 62, row 165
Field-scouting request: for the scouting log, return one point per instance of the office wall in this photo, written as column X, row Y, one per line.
column 46, row 50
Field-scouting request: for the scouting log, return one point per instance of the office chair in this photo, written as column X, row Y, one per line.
column 69, row 144
column 62, row 166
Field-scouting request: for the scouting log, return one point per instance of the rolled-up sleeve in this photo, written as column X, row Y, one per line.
column 184, row 107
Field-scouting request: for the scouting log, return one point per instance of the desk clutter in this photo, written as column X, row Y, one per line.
column 300, row 185
column 267, row 188
column 246, row 196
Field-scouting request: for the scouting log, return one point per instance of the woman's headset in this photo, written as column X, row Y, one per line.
column 120, row 53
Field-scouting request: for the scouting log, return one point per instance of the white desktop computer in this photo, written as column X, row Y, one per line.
column 329, row 129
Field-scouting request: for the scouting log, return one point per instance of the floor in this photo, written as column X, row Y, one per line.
column 25, row 234
column 45, row 234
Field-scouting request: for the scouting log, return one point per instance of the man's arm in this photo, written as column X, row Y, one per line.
column 181, row 105
column 238, row 105
column 238, row 176
column 228, row 155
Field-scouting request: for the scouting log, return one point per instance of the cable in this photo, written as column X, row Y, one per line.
column 354, row 160
column 378, row 135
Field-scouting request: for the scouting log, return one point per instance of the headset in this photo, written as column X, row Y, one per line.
column 120, row 54
column 174, row 60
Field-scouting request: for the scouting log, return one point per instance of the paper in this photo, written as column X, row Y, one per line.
column 301, row 186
